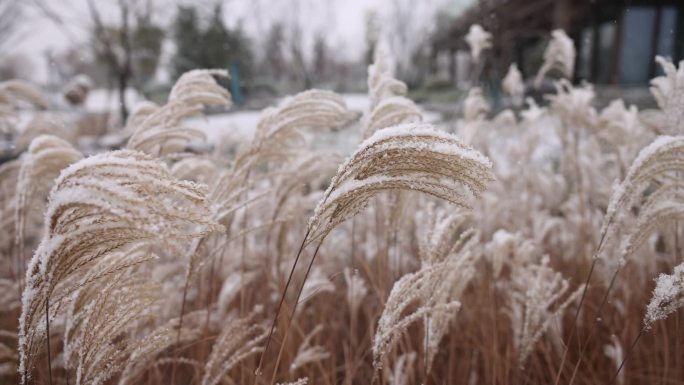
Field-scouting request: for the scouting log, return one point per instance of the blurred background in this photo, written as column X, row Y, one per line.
column 128, row 50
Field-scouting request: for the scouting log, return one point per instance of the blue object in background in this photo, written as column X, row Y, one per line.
column 235, row 90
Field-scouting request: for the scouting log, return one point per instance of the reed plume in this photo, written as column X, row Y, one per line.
column 98, row 205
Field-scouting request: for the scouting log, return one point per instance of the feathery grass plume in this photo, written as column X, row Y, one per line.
column 620, row 128
column 47, row 155
column 98, row 205
column 13, row 94
column 196, row 169
column 668, row 91
column 356, row 290
column 475, row 107
column 144, row 355
column 665, row 203
column 440, row 244
column 616, row 353
column 317, row 283
column 559, row 54
column 43, row 123
column 654, row 166
column 460, row 269
column 389, row 105
column 237, row 341
column 479, row 40
column 507, row 248
column 405, row 157
column 668, row 297
column 573, row 104
column 402, row 372
column 538, row 296
column 106, row 310
column 381, row 83
column 158, row 130
column 306, row 353
column 437, row 232
column 513, row 84
column 391, row 111
column 279, row 129
column 306, row 171
column 412, row 288
column 533, row 112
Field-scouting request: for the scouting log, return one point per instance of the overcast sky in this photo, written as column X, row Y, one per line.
column 341, row 21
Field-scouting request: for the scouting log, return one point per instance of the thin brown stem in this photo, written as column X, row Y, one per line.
column 629, row 351
column 294, row 310
column 280, row 305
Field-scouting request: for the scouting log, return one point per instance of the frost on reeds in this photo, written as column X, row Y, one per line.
column 389, row 105
column 356, row 290
column 282, row 128
column 559, row 54
column 513, row 84
column 159, row 130
column 475, row 107
column 668, row 91
column 98, row 205
column 655, row 167
column 14, row 93
column 443, row 244
column 478, row 39
column 412, row 288
column 405, row 157
column 238, row 340
column 668, row 297
column 306, row 353
column 537, row 298
column 101, row 310
column 47, row 155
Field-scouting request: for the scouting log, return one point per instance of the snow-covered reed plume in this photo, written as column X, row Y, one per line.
column 455, row 253
column 101, row 310
column 159, row 130
column 668, row 297
column 389, row 105
column 479, row 40
column 654, row 167
column 306, row 353
column 238, row 340
column 47, row 155
column 668, row 91
column 403, row 369
column 406, row 157
column 14, row 93
column 538, row 297
column 281, row 129
column 513, row 84
column 357, row 290
column 475, row 107
column 418, row 287
column 98, row 205
column 559, row 54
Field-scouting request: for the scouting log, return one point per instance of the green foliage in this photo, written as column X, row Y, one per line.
column 214, row 46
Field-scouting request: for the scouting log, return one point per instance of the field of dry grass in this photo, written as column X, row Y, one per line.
column 538, row 246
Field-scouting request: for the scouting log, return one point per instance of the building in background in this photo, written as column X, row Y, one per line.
column 616, row 40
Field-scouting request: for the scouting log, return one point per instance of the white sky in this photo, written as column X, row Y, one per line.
column 341, row 21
